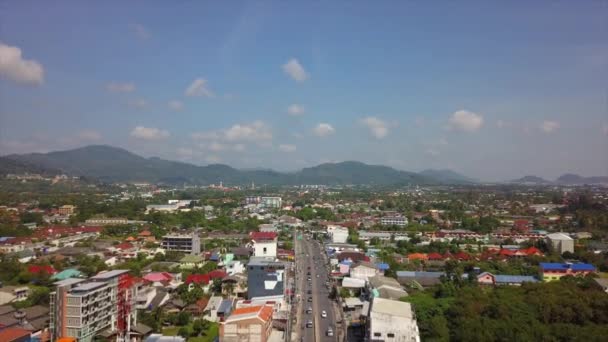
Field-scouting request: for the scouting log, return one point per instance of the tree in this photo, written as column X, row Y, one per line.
column 184, row 332
column 344, row 292
column 183, row 318
column 197, row 327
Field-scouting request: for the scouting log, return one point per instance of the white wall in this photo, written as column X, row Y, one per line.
column 270, row 246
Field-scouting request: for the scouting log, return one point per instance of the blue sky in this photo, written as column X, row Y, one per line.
column 495, row 90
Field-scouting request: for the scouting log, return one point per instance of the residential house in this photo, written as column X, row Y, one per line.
column 419, row 279
column 364, row 270
column 337, row 234
column 391, row 320
column 385, row 287
column 247, row 324
column 191, row 261
column 487, row 278
column 12, row 294
column 264, row 244
column 15, row 334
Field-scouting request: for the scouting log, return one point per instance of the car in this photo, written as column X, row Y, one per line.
column 317, row 276
column 308, row 273
column 310, row 299
column 309, row 310
column 309, row 324
column 329, row 332
column 324, row 314
column 309, row 278
column 309, row 291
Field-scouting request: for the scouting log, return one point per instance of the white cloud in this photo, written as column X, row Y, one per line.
column 138, row 103
column 14, row 67
column 176, row 105
column 377, row 128
column 549, row 126
column 118, row 87
column 323, row 130
column 89, row 135
column 149, row 133
column 295, row 110
column 466, row 121
column 140, row 31
column 257, row 131
column 213, row 135
column 287, row 148
column 199, row 88
column 294, row 69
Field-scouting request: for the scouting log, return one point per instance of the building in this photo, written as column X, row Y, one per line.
column 191, row 261
column 182, row 243
column 265, row 277
column 396, row 220
column 264, row 244
column 66, row 210
column 385, row 287
column 11, row 294
column 391, row 320
column 247, row 324
column 15, row 335
column 338, row 234
column 101, row 305
column 106, row 221
column 550, row 271
column 364, row 270
column 271, row 202
column 487, row 278
column 267, row 228
column 560, row 242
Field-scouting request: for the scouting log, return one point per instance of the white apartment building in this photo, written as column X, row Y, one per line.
column 185, row 243
column 264, row 244
column 392, row 320
column 271, row 202
column 83, row 308
column 400, row 221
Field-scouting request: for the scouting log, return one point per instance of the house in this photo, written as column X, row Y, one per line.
column 67, row 273
column 290, row 221
column 550, row 271
column 487, row 278
column 364, row 270
column 162, row 338
column 353, row 283
column 234, row 267
column 560, row 242
column 417, row 256
column 385, row 287
column 267, row 228
column 66, row 210
column 264, row 244
column 391, row 320
column 352, row 256
column 210, row 313
column 15, row 335
column 191, row 261
column 247, row 324
column 235, row 284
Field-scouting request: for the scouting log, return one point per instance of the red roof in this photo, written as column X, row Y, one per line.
column 36, row 269
column 462, row 256
column 532, row 251
column 262, row 236
column 506, row 252
column 13, row 334
column 52, row 231
column 145, row 233
column 158, row 276
column 217, row 274
column 124, row 245
column 198, row 279
column 263, row 312
column 435, row 256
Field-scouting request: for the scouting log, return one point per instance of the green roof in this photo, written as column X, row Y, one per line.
column 67, row 273
column 189, row 259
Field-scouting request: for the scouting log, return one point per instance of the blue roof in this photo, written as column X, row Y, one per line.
column 502, row 278
column 346, row 262
column 225, row 306
column 382, row 266
column 555, row 266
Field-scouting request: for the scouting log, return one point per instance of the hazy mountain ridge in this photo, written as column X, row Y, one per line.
column 447, row 176
column 565, row 179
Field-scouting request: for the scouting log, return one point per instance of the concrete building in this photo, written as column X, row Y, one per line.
column 265, row 277
column 248, row 324
column 364, row 270
column 267, row 228
column 392, row 320
column 338, row 234
column 11, row 294
column 182, row 243
column 271, row 202
column 396, row 220
column 560, row 242
column 66, row 210
column 101, row 305
column 264, row 244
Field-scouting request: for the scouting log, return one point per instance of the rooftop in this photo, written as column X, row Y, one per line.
column 109, row 274
column 392, row 307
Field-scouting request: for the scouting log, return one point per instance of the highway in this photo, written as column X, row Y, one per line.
column 311, row 264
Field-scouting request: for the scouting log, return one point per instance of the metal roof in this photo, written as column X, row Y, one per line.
column 392, row 308
column 109, row 274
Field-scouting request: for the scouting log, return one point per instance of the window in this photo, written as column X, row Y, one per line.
column 391, row 335
column 377, row 334
column 264, row 250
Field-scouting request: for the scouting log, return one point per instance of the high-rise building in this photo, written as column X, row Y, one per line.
column 100, row 305
column 190, row 243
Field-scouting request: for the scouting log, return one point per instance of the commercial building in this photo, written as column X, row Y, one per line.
column 66, row 210
column 264, row 244
column 182, row 243
column 338, row 234
column 265, row 277
column 102, row 305
column 271, row 202
column 392, row 320
column 560, row 242
column 550, row 271
column 248, row 324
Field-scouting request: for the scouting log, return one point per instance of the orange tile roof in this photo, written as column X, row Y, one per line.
column 12, row 334
column 264, row 312
column 247, row 310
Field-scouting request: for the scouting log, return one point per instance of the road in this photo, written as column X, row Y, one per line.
column 311, row 264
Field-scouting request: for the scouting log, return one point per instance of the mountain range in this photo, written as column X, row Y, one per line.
column 113, row 164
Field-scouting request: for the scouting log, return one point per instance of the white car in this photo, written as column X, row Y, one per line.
column 323, row 314
column 329, row 332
